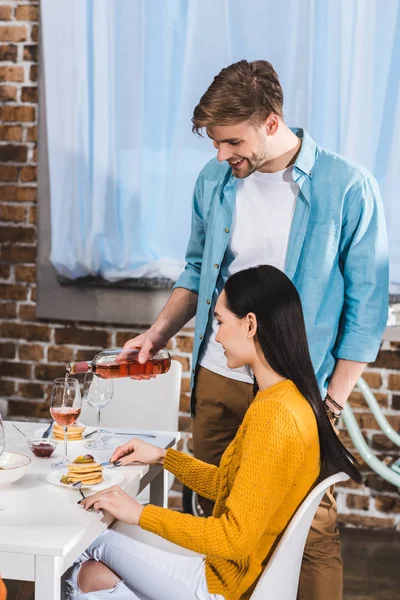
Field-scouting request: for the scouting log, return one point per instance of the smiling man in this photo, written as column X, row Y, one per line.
column 272, row 196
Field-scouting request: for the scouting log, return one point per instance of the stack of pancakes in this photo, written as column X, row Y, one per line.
column 89, row 472
column 74, row 432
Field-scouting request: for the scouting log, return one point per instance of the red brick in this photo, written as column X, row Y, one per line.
column 27, row 12
column 13, row 153
column 387, row 359
column 12, row 213
column 185, row 362
column 8, row 173
column 8, row 52
column 29, row 94
column 35, row 33
column 184, row 405
column 7, row 350
column 15, row 369
column 185, row 424
column 396, row 402
column 28, row 174
column 11, row 73
column 87, row 354
column 351, row 484
column 8, row 310
column 31, row 390
column 33, row 73
column 8, row 93
column 48, row 372
column 184, row 343
column 373, row 481
column 374, row 380
column 13, row 292
column 31, row 53
column 39, row 333
column 387, row 504
column 25, row 273
column 60, row 354
column 11, row 133
column 357, row 400
column 23, row 235
column 363, row 521
column 31, row 134
column 82, row 337
column 5, row 13
column 7, row 388
column 124, row 336
column 30, row 352
column 18, row 254
column 357, row 501
column 17, row 113
column 25, row 408
column 185, row 385
column 394, row 381
column 33, row 293
column 381, row 442
column 13, row 33
column 27, row 312
column 34, row 158
column 4, row 271
column 32, row 215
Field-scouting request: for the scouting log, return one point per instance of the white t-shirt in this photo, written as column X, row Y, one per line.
column 259, row 235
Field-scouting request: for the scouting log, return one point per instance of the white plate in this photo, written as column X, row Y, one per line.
column 39, row 432
column 110, row 477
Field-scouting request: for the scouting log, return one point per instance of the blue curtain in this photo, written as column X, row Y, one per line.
column 123, row 76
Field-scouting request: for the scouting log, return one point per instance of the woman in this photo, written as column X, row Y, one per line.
column 264, row 475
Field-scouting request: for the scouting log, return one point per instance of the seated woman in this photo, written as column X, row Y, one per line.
column 264, row 474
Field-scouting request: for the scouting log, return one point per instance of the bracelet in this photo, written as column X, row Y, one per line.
column 330, row 412
column 333, row 402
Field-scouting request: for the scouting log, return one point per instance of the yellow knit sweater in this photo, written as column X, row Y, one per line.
column 264, row 474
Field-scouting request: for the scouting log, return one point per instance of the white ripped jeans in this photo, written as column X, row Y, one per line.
column 149, row 568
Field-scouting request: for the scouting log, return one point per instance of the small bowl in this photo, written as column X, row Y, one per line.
column 13, row 466
column 42, row 447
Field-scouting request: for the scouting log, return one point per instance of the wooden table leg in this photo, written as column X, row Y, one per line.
column 48, row 578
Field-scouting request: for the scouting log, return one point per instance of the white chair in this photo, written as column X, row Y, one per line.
column 151, row 404
column 280, row 578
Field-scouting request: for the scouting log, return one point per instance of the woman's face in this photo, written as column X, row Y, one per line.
column 235, row 335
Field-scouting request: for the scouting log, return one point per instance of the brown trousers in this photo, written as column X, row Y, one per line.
column 221, row 404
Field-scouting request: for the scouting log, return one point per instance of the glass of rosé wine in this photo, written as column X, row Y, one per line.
column 65, row 408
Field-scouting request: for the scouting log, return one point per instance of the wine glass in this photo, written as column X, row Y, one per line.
column 65, row 408
column 2, row 437
column 98, row 393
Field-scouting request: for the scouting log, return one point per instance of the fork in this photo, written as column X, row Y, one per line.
column 78, row 486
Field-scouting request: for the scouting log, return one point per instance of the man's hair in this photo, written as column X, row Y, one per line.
column 244, row 91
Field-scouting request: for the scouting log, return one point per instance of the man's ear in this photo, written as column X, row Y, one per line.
column 251, row 325
column 272, row 124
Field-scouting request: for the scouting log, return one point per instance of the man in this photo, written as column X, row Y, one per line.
column 273, row 196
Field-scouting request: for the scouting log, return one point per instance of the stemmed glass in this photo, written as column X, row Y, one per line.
column 2, row 444
column 65, row 408
column 97, row 393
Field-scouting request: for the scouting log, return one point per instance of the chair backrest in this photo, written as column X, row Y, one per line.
column 280, row 578
column 150, row 404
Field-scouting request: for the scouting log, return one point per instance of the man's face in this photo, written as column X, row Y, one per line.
column 245, row 146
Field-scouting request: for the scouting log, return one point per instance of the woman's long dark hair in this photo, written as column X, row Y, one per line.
column 281, row 334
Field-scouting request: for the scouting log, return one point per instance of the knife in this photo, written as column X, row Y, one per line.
column 134, row 433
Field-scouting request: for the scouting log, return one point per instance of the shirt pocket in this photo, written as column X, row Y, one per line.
column 320, row 252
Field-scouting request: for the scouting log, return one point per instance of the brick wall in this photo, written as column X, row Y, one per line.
column 33, row 352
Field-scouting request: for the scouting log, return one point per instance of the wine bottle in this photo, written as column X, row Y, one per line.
column 115, row 363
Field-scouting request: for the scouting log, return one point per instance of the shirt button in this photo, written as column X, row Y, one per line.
column 208, row 301
column 216, row 266
column 310, row 173
column 226, row 230
column 201, row 337
column 193, row 371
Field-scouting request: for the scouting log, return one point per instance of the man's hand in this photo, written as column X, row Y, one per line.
column 138, row 451
column 149, row 342
column 117, row 503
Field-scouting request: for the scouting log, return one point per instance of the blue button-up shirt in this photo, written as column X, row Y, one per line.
column 337, row 254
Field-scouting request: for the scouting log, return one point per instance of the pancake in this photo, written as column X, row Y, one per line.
column 85, row 469
column 74, row 432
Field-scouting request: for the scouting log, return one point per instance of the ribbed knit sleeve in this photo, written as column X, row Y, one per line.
column 197, row 475
column 272, row 457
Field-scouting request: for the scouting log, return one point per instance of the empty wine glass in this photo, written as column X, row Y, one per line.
column 2, row 437
column 65, row 408
column 97, row 393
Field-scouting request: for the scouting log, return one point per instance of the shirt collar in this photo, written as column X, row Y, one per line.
column 306, row 159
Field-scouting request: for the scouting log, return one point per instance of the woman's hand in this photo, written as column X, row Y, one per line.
column 117, row 503
column 138, row 451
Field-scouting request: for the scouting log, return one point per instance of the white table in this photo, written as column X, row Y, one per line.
column 42, row 528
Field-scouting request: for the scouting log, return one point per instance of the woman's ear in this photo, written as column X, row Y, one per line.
column 251, row 325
